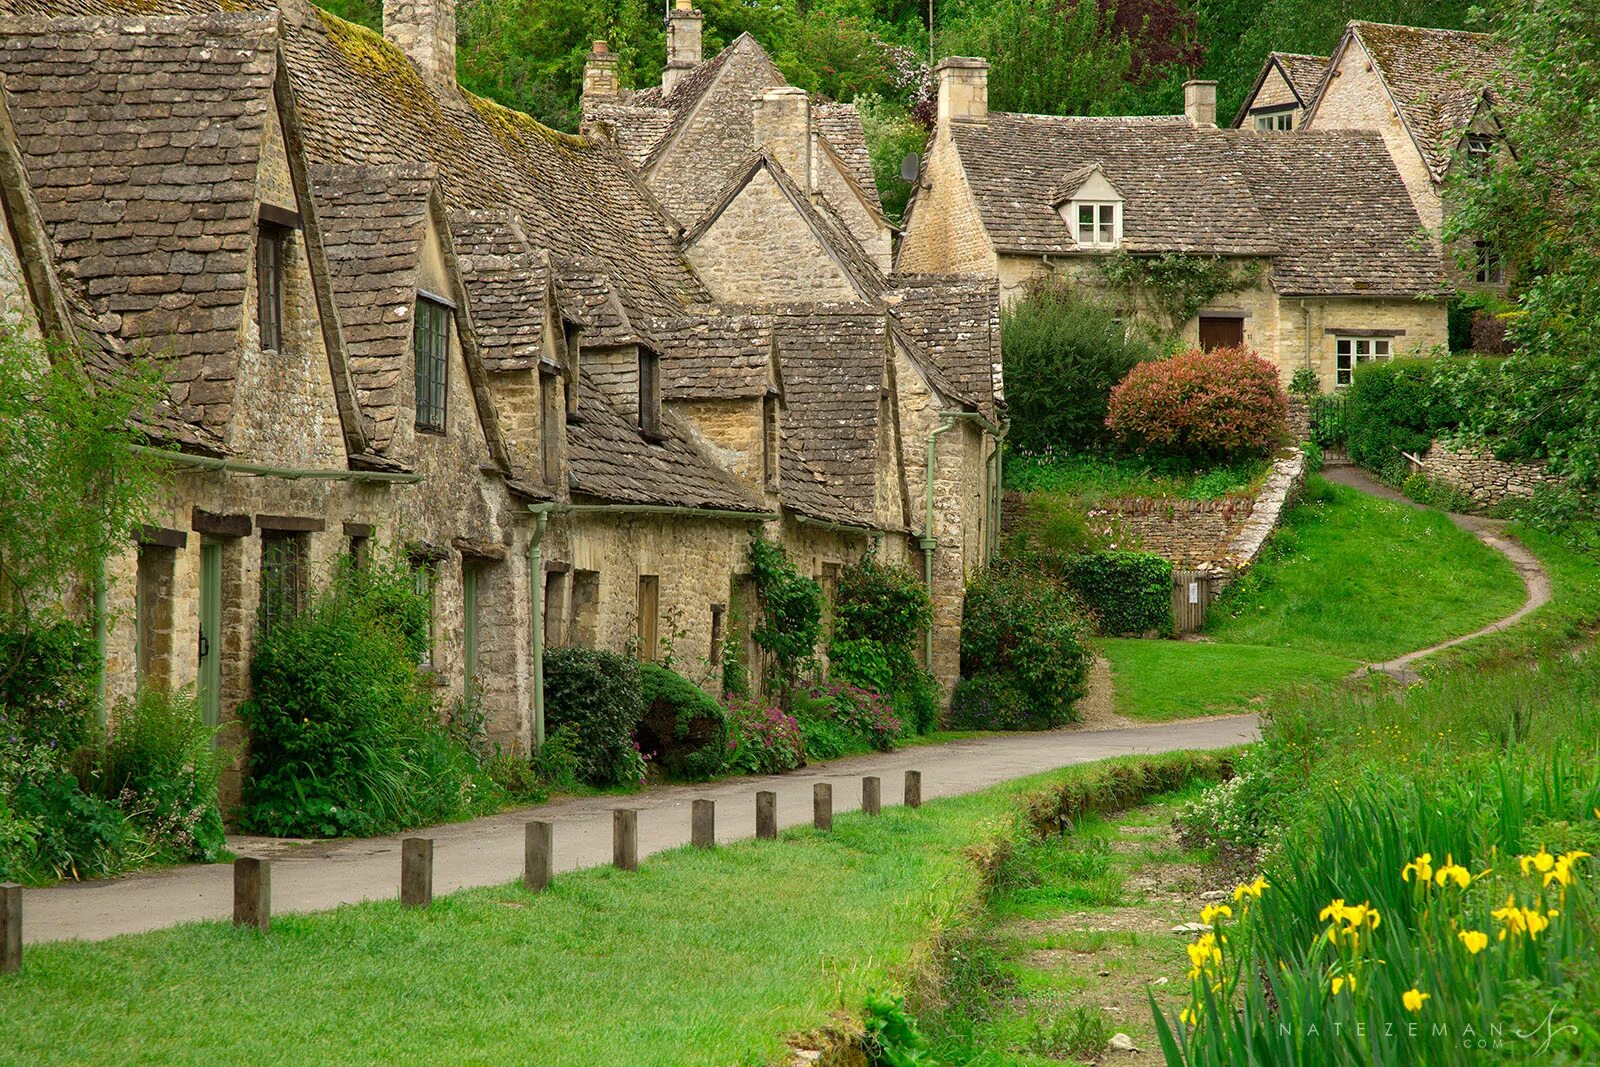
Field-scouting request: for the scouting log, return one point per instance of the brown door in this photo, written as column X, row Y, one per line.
column 1220, row 333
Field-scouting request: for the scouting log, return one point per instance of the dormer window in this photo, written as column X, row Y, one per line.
column 272, row 241
column 1097, row 224
column 769, row 441
column 1480, row 145
column 431, row 354
column 649, row 392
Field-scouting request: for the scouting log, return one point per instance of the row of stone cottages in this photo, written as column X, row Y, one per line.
column 393, row 313
column 1325, row 198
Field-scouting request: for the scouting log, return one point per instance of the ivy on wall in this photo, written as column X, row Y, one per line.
column 791, row 612
column 1172, row 287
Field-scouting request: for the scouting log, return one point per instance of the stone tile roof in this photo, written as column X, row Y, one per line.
column 832, row 361
column 840, row 124
column 141, row 145
column 956, row 322
column 506, row 283
column 1437, row 78
column 1205, row 191
column 714, row 356
column 636, row 128
column 1346, row 227
column 608, row 459
column 1303, row 73
column 374, row 220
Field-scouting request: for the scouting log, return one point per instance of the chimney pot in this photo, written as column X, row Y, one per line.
column 425, row 30
column 963, row 84
column 599, row 75
column 1200, row 102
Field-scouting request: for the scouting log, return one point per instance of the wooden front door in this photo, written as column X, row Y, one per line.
column 209, row 687
column 1217, row 332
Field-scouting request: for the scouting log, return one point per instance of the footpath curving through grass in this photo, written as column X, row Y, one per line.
column 1163, row 680
column 698, row 958
column 1352, row 575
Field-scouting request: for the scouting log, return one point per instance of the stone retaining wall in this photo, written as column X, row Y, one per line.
column 1284, row 482
column 1486, row 480
column 1188, row 532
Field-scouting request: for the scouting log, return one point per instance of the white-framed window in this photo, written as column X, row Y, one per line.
column 1354, row 351
column 1277, row 122
column 1480, row 145
column 1487, row 269
column 1097, row 224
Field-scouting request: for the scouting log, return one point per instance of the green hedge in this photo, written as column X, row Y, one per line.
column 1024, row 651
column 683, row 729
column 1120, row 786
column 597, row 699
column 1128, row 592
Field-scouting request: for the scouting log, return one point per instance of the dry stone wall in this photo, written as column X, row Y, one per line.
column 1487, row 480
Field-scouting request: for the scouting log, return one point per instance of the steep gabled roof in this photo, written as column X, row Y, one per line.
column 507, row 283
column 714, row 356
column 374, row 220
column 1437, row 79
column 956, row 321
column 1302, row 73
column 840, row 126
column 141, row 145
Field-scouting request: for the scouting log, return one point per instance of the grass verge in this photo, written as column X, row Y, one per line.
column 1352, row 575
column 699, row 958
column 1162, row 680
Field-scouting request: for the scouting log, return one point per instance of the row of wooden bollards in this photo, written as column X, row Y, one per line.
column 252, row 877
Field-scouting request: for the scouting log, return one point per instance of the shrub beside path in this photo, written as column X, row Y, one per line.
column 1535, row 579
column 312, row 876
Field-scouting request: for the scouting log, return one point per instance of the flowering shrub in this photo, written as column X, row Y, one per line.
column 161, row 766
column 1220, row 404
column 762, row 739
column 839, row 719
column 880, row 613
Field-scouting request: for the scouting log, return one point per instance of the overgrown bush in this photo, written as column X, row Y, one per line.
column 992, row 702
column 48, row 682
column 1219, row 404
column 791, row 613
column 880, row 613
column 763, row 739
column 1435, row 493
column 837, row 720
column 1129, row 593
column 161, row 767
column 344, row 736
column 598, row 698
column 1063, row 356
column 1394, row 408
column 1025, row 628
column 682, row 728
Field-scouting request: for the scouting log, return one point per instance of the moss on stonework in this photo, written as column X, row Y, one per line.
column 507, row 123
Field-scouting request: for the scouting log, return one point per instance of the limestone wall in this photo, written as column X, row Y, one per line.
column 1487, row 480
column 944, row 234
column 1188, row 532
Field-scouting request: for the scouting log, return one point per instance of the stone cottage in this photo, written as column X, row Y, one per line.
column 397, row 317
column 775, row 194
column 1429, row 93
column 1282, row 92
column 1317, row 227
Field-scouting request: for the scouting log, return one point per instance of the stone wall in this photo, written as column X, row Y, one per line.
column 1487, row 480
column 1188, row 532
column 944, row 234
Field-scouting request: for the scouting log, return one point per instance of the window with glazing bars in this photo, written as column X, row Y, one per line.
column 283, row 577
column 431, row 346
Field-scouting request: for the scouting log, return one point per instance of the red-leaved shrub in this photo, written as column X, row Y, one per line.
column 1219, row 404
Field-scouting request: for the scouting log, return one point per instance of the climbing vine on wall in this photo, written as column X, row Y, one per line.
column 1173, row 287
column 791, row 612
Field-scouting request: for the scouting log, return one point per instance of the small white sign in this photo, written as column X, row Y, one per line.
column 1194, row 592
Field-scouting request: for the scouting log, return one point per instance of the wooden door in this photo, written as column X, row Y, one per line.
column 1191, row 596
column 1217, row 332
column 209, row 685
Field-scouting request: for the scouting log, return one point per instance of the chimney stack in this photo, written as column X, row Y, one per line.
column 684, row 25
column 782, row 120
column 600, row 74
column 1200, row 102
column 425, row 30
column 963, row 88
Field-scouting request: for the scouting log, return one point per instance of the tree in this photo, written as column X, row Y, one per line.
column 71, row 490
column 1541, row 209
column 1050, row 57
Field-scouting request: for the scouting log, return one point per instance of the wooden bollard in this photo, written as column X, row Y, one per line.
column 252, row 893
column 538, row 853
column 913, row 789
column 416, row 872
column 766, row 815
column 703, row 824
column 10, row 928
column 822, row 806
column 625, row 838
column 871, row 795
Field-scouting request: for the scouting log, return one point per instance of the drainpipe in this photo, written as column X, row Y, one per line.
column 101, row 641
column 541, row 516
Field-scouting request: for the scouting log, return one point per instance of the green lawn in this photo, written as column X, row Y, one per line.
column 699, row 958
column 1159, row 680
column 1091, row 478
column 1351, row 575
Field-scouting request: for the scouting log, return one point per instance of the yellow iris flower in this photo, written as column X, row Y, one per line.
column 1422, row 867
column 1413, row 998
column 1211, row 912
column 1250, row 889
column 1453, row 872
column 1475, row 940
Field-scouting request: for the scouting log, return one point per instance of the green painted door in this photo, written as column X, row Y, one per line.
column 469, row 598
column 210, row 643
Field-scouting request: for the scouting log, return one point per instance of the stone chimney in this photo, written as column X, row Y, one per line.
column 600, row 74
column 684, row 25
column 425, row 30
column 963, row 88
column 1200, row 102
column 782, row 120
